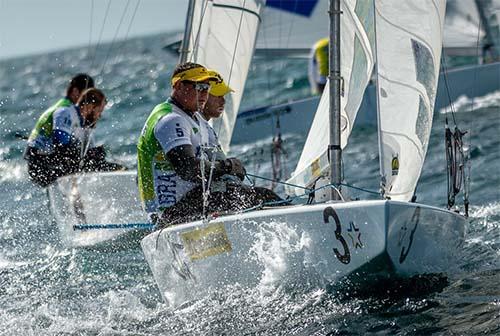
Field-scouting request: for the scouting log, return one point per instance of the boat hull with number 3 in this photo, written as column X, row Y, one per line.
column 290, row 245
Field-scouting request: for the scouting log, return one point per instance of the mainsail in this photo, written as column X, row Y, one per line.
column 409, row 40
column 357, row 58
column 222, row 38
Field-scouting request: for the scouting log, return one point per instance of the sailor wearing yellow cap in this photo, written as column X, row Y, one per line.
column 227, row 190
column 214, row 109
column 169, row 148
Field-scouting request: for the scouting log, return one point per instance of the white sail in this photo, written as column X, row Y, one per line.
column 357, row 43
column 223, row 38
column 409, row 40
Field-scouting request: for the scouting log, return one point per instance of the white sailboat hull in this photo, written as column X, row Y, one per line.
column 298, row 244
column 100, row 202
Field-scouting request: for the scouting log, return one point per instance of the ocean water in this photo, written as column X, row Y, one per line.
column 48, row 289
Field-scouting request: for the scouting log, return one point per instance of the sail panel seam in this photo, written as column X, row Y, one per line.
column 239, row 8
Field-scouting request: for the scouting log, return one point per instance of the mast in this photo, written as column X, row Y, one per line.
column 183, row 51
column 334, row 149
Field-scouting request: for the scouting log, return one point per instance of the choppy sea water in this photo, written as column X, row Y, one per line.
column 48, row 289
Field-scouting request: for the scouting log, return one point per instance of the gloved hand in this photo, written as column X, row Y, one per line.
column 235, row 167
column 97, row 153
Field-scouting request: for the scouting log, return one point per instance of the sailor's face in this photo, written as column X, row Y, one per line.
column 215, row 106
column 195, row 94
column 94, row 113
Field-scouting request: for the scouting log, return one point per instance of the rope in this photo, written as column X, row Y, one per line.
column 234, row 56
column 100, row 35
column 114, row 37
column 360, row 189
column 277, row 181
column 86, row 227
column 236, row 44
column 91, row 24
column 194, row 49
column 310, row 190
column 291, row 199
column 206, row 187
column 122, row 44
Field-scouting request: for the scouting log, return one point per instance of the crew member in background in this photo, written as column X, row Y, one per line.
column 214, row 109
column 60, row 143
column 171, row 167
column 318, row 66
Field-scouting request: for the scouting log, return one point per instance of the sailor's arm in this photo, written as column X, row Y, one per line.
column 66, row 148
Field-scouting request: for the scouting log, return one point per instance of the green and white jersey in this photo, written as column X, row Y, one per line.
column 41, row 135
column 167, row 127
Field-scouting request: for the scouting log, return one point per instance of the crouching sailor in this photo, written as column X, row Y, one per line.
column 60, row 143
column 171, row 165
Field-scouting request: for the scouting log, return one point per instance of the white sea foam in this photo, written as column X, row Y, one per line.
column 11, row 171
column 466, row 104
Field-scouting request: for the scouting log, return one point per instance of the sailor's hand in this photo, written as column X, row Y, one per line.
column 235, row 167
column 97, row 153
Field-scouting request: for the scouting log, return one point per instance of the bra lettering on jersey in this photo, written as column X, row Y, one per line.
column 166, row 189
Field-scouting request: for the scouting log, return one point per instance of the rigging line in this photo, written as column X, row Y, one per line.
column 91, row 25
column 234, row 53
column 194, row 49
column 445, row 77
column 115, row 36
column 477, row 64
column 291, row 24
column 267, row 53
column 100, row 34
column 236, row 43
column 307, row 193
column 277, row 181
column 124, row 41
column 360, row 189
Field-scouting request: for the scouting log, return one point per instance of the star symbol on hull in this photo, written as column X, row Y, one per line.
column 355, row 235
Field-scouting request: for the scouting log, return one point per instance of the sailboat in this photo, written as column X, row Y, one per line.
column 98, row 210
column 334, row 237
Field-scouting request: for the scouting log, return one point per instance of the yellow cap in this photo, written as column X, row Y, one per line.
column 218, row 88
column 199, row 74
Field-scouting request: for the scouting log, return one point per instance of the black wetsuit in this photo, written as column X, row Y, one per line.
column 44, row 169
column 236, row 197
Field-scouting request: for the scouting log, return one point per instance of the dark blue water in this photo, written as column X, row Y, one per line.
column 47, row 289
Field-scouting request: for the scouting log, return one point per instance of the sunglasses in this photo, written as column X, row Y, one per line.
column 199, row 86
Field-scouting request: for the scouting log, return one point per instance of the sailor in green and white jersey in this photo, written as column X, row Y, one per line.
column 171, row 165
column 62, row 143
column 41, row 135
column 169, row 148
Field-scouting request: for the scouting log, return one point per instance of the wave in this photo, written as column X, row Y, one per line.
column 466, row 104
